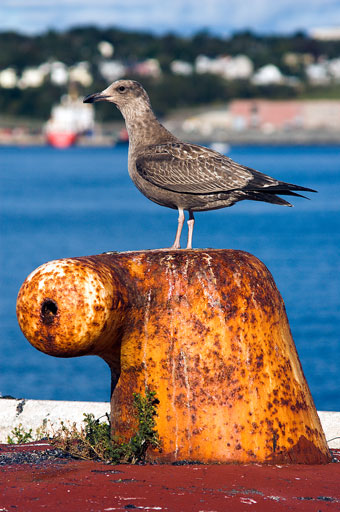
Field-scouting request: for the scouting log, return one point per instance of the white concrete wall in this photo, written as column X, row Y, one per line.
column 31, row 414
column 330, row 422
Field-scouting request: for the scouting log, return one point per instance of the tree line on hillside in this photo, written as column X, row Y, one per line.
column 168, row 91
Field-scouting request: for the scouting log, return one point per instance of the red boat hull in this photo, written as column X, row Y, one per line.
column 61, row 139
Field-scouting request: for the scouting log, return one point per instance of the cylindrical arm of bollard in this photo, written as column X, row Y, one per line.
column 206, row 330
column 74, row 307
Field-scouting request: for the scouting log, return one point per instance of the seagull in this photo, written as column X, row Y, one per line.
column 179, row 175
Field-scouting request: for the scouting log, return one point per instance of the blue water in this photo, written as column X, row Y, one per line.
column 80, row 201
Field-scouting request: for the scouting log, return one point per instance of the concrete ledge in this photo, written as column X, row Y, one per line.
column 330, row 422
column 32, row 413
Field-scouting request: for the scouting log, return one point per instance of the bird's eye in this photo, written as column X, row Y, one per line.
column 121, row 88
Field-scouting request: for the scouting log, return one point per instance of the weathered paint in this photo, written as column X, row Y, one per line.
column 34, row 478
column 207, row 330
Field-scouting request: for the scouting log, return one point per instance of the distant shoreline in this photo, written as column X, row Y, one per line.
column 293, row 138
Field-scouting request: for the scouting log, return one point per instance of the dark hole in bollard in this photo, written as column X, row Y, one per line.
column 49, row 310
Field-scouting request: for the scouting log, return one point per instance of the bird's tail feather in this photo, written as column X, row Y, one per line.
column 281, row 188
column 267, row 184
column 286, row 193
column 268, row 198
column 291, row 186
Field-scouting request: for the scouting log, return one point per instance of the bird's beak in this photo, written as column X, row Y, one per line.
column 97, row 96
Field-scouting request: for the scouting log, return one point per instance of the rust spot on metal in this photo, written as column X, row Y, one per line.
column 304, row 451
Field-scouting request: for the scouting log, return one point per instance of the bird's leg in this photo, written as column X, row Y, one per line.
column 176, row 244
column 191, row 223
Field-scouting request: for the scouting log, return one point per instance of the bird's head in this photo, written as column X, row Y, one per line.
column 127, row 95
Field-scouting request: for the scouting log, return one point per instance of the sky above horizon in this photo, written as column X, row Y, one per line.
column 181, row 16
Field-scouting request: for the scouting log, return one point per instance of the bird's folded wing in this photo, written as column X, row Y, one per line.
column 191, row 169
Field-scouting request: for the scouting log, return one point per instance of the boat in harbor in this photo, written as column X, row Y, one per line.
column 221, row 147
column 69, row 119
column 123, row 137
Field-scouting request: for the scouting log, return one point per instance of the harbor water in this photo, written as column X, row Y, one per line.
column 80, row 201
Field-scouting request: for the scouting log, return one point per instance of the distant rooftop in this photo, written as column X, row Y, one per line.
column 326, row 33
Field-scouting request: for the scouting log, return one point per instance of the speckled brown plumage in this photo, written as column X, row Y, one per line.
column 180, row 175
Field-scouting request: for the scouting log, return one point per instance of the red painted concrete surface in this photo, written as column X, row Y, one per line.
column 82, row 486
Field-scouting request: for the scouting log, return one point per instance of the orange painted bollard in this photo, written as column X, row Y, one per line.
column 206, row 330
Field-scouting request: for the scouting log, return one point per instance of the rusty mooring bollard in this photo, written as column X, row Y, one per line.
column 206, row 330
